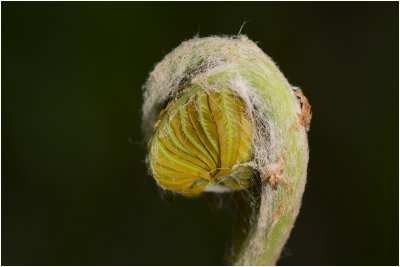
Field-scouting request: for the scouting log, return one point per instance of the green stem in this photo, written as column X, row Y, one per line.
column 280, row 144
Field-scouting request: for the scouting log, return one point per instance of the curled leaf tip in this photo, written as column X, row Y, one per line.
column 218, row 115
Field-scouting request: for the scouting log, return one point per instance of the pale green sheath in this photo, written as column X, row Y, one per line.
column 219, row 116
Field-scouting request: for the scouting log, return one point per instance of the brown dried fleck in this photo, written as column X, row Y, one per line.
column 305, row 116
column 278, row 214
column 273, row 173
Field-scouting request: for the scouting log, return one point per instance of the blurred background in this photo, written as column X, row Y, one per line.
column 74, row 184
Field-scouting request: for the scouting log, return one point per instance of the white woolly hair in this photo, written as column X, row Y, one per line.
column 196, row 60
column 279, row 143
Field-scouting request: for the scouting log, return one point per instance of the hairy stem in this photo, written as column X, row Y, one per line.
column 256, row 114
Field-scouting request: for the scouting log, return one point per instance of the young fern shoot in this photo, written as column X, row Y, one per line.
column 219, row 116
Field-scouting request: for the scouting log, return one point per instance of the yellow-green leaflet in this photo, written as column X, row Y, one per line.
column 199, row 139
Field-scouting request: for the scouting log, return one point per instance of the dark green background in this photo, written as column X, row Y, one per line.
column 74, row 185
